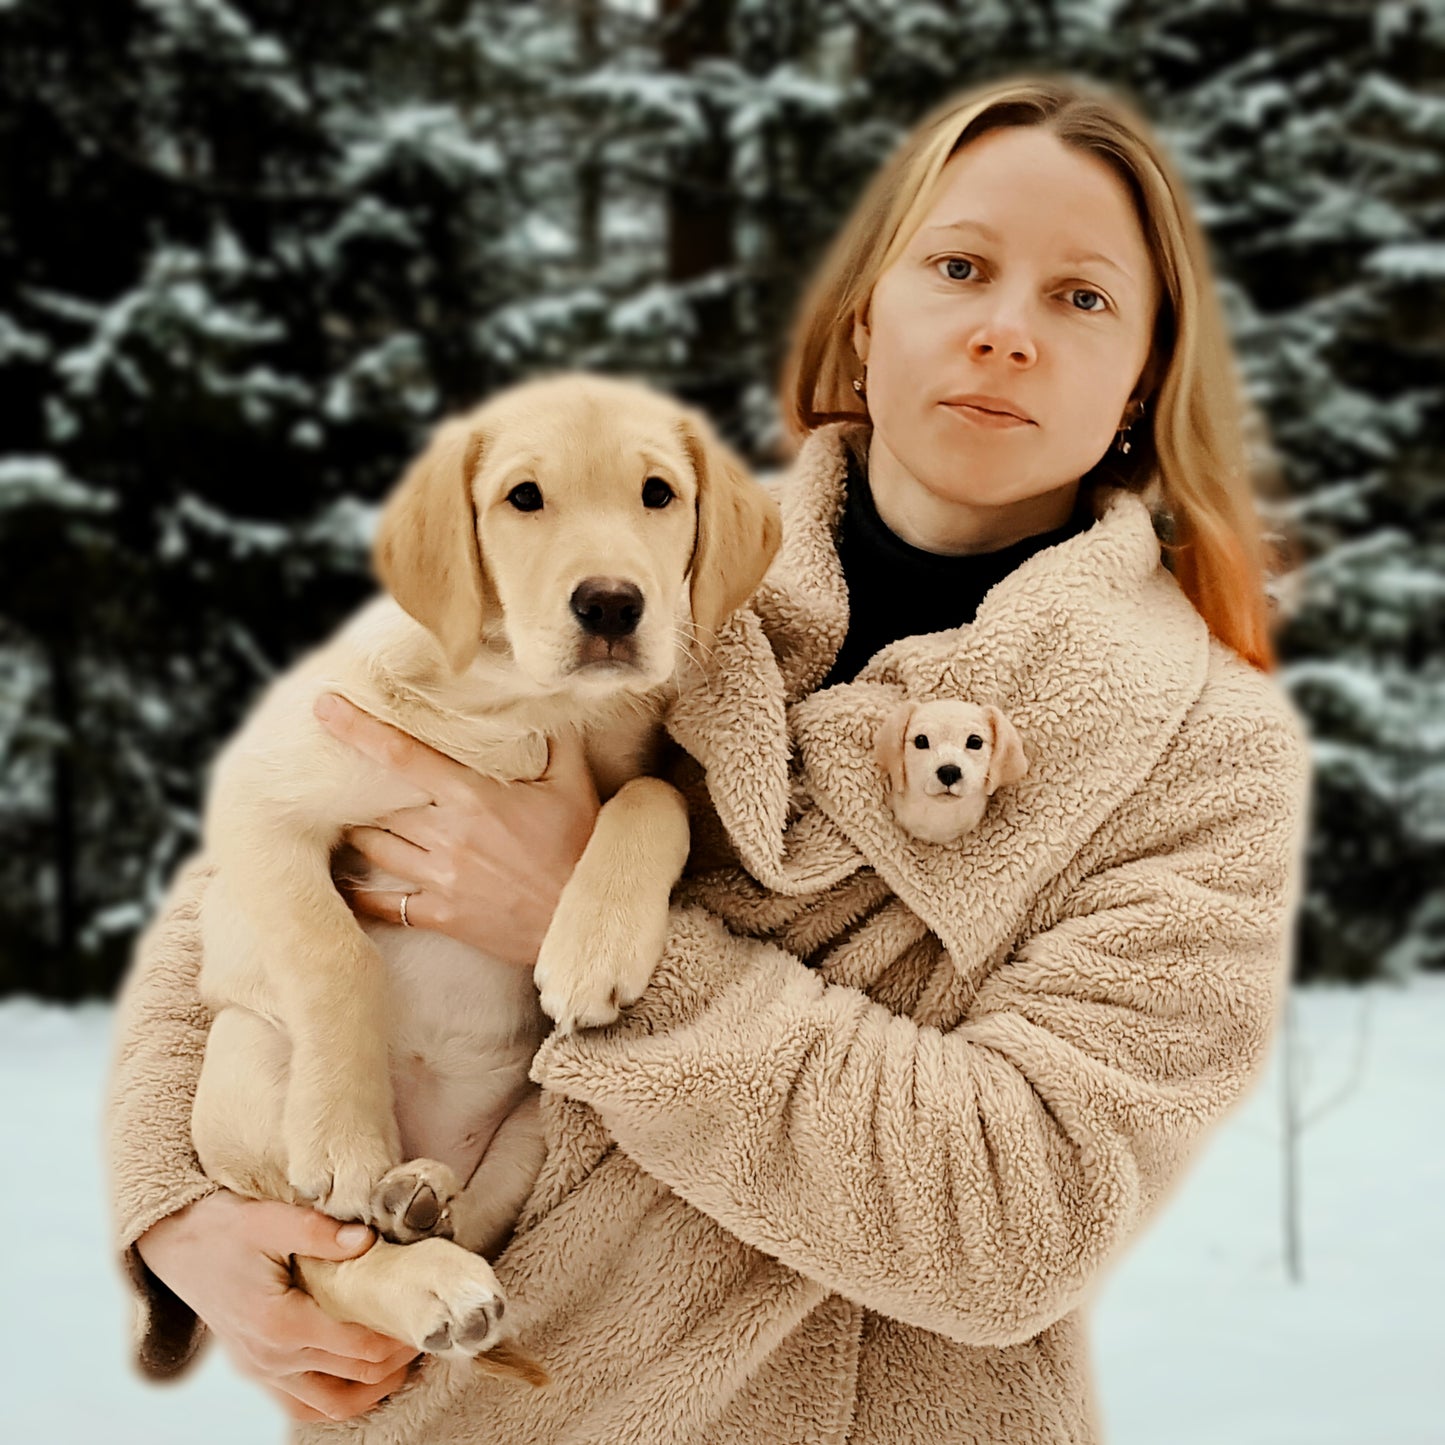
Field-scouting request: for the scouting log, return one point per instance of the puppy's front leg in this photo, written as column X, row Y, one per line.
column 610, row 926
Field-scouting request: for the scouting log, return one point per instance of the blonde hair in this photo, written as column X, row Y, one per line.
column 1190, row 440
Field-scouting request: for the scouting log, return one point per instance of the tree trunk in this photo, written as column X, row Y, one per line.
column 700, row 209
column 62, row 801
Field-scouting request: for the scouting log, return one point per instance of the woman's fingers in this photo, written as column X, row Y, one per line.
column 294, row 1408
column 355, row 1372
column 312, row 1396
column 566, row 759
column 396, row 855
column 282, row 1230
column 432, row 772
column 423, row 909
column 305, row 1320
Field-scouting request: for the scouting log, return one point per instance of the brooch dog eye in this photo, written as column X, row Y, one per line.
column 526, row 497
column 921, row 741
column 974, row 741
column 656, row 493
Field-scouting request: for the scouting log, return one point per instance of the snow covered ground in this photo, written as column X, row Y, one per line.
column 1199, row 1338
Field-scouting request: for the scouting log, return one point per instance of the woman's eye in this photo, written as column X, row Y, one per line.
column 656, row 493
column 974, row 741
column 526, row 497
column 1089, row 298
column 921, row 741
column 954, row 268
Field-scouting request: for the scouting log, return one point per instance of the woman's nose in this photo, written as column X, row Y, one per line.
column 1004, row 333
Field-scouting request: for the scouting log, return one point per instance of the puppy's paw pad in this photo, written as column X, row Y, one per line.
column 481, row 1328
column 471, row 1326
column 413, row 1201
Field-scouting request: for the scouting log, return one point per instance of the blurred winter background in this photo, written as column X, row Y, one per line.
column 251, row 250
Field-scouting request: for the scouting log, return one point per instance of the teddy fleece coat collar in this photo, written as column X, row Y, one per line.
column 1089, row 647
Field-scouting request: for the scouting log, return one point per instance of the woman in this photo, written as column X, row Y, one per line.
column 888, row 1111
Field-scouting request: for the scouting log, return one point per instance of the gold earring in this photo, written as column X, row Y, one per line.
column 858, row 387
column 1121, row 438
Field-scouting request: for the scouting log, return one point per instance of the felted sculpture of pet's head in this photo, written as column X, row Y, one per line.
column 943, row 761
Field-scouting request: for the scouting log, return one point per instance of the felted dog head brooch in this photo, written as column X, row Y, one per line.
column 943, row 761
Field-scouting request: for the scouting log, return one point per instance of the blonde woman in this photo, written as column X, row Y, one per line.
column 890, row 1111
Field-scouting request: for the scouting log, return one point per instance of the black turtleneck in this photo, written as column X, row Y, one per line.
column 898, row 590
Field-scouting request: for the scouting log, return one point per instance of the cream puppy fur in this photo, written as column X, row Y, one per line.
column 943, row 761
column 550, row 557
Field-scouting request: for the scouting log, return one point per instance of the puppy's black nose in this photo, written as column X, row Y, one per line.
column 949, row 774
column 606, row 607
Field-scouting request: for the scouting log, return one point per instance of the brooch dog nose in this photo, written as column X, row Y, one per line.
column 949, row 774
column 606, row 607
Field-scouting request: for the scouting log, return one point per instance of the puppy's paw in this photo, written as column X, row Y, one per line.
column 460, row 1313
column 586, row 976
column 336, row 1152
column 413, row 1201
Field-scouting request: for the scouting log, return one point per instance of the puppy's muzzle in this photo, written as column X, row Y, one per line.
column 607, row 608
column 608, row 611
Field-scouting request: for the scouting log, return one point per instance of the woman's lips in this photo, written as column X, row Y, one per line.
column 982, row 416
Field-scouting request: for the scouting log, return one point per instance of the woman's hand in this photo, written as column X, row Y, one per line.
column 227, row 1257
column 489, row 860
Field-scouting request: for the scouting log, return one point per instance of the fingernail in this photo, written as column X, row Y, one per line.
column 350, row 1235
column 325, row 706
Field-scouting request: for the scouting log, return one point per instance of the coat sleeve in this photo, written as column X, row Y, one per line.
column 977, row 1182
column 160, row 1039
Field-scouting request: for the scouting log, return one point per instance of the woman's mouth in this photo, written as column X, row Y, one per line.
column 983, row 416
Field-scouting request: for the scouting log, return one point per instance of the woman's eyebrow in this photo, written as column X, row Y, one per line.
column 1071, row 258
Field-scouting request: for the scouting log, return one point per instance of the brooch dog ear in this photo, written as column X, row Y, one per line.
column 426, row 552
column 739, row 527
column 888, row 745
column 1007, row 763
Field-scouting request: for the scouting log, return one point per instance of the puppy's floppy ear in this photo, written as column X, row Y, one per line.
column 426, row 552
column 738, row 527
column 889, row 744
column 1007, row 764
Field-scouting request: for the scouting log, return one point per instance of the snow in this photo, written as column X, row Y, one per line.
column 17, row 344
column 1199, row 1337
column 42, row 481
column 1409, row 261
column 433, row 134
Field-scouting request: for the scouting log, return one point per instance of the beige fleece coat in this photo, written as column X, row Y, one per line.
column 889, row 1111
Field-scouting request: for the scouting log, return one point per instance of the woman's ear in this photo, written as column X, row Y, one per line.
column 739, row 527
column 889, row 743
column 1007, row 763
column 861, row 337
column 426, row 553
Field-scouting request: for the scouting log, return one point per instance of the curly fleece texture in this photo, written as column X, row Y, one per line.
column 889, row 1111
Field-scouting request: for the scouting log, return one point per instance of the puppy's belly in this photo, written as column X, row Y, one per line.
column 462, row 1032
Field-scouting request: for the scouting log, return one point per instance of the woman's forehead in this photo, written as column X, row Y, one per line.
column 1022, row 186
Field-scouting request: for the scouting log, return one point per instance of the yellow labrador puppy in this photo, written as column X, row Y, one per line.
column 548, row 558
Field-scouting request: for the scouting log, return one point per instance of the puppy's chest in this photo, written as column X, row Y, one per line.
column 452, row 1003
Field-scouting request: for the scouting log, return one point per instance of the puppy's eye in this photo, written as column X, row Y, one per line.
column 526, row 497
column 974, row 741
column 921, row 741
column 656, row 493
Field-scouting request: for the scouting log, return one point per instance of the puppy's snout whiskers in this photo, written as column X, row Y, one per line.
column 688, row 636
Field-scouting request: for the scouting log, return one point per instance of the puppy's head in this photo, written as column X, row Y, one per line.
column 579, row 523
column 943, row 761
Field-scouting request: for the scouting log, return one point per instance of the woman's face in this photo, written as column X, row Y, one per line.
column 1027, row 289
